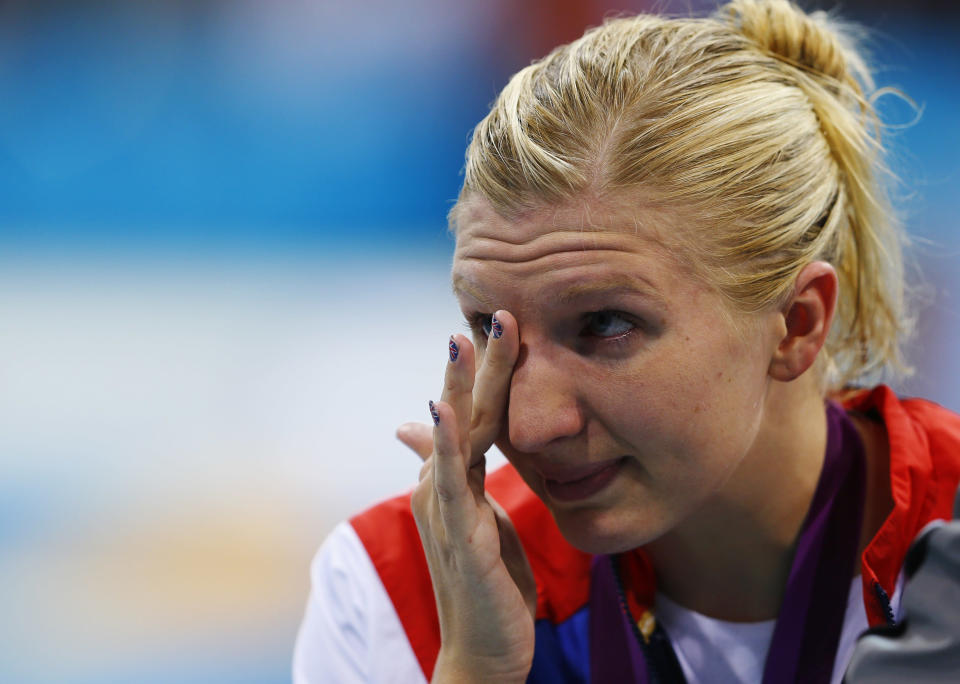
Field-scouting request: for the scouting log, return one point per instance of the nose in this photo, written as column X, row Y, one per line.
column 543, row 401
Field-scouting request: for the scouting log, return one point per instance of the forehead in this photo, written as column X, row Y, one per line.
column 575, row 242
column 641, row 218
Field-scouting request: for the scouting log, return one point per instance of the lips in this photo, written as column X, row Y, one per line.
column 574, row 483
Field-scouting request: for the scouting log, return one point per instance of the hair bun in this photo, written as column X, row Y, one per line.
column 787, row 32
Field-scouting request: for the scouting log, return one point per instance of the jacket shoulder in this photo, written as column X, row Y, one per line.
column 924, row 450
column 941, row 429
column 924, row 440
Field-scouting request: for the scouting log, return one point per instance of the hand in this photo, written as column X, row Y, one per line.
column 484, row 587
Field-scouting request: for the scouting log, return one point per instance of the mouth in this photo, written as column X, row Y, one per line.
column 576, row 484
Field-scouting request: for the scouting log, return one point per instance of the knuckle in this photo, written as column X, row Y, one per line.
column 495, row 359
column 499, row 358
column 481, row 418
column 454, row 383
column 445, row 493
column 486, row 425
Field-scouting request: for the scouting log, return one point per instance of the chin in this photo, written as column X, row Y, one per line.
column 599, row 531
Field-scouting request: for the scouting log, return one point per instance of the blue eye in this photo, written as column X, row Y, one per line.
column 608, row 324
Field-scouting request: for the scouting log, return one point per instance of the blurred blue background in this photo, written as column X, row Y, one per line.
column 223, row 283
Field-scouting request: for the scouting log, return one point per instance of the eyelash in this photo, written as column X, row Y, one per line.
column 479, row 324
column 619, row 337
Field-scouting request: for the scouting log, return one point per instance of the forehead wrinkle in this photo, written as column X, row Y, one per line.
column 502, row 236
column 550, row 255
column 553, row 242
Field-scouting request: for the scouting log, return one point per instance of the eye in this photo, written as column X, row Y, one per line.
column 607, row 324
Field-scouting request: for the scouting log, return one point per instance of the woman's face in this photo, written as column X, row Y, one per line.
column 634, row 397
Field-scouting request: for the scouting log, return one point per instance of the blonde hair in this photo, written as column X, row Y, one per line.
column 759, row 118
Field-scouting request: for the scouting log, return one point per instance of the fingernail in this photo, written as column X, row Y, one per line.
column 495, row 328
column 454, row 350
column 433, row 413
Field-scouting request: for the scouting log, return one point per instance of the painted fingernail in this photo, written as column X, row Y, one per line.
column 454, row 349
column 495, row 328
column 433, row 413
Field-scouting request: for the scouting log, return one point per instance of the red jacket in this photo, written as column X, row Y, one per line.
column 924, row 473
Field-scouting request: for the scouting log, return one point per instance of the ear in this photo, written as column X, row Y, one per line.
column 806, row 319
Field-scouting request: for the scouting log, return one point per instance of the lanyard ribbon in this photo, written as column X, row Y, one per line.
column 805, row 636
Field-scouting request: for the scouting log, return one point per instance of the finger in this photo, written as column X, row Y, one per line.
column 492, row 387
column 423, row 504
column 458, row 388
column 458, row 509
column 417, row 436
column 514, row 556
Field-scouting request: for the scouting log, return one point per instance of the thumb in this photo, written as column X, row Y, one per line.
column 417, row 436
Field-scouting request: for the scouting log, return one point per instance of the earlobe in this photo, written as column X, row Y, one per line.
column 806, row 320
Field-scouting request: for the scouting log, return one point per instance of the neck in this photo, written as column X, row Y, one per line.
column 731, row 559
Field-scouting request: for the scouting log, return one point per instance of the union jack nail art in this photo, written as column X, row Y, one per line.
column 454, row 349
column 495, row 328
column 433, row 413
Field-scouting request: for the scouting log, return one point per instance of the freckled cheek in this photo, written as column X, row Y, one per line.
column 669, row 405
column 648, row 412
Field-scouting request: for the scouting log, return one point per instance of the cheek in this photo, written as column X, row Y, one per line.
column 696, row 400
column 724, row 411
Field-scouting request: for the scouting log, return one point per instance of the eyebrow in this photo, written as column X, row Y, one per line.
column 614, row 284
column 461, row 284
column 610, row 285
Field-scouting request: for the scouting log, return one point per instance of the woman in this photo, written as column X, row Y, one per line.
column 672, row 244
